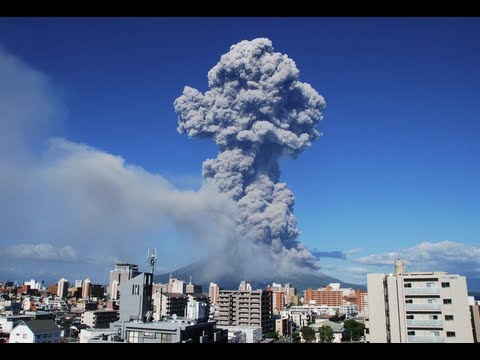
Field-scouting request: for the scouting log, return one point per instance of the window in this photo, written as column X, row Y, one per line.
column 447, row 301
column 450, row 333
column 411, row 333
column 409, row 301
column 436, row 333
column 24, row 336
column 433, row 317
column 430, row 284
column 410, row 317
column 448, row 317
column 148, row 334
column 407, row 285
column 445, row 284
column 166, row 338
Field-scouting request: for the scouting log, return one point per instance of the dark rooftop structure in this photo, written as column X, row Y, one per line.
column 41, row 326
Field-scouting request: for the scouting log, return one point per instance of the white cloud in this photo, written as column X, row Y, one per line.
column 40, row 252
column 450, row 256
column 358, row 270
column 64, row 201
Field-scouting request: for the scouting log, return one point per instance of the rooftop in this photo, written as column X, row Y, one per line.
column 41, row 326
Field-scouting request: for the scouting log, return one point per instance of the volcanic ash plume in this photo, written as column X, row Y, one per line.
column 256, row 111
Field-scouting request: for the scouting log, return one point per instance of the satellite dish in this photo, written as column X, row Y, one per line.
column 174, row 316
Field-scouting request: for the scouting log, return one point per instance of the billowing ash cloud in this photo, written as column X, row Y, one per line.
column 256, row 110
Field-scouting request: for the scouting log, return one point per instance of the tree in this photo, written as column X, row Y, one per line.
column 326, row 334
column 272, row 335
column 354, row 330
column 296, row 337
column 308, row 334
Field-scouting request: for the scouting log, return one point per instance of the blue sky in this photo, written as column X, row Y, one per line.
column 395, row 173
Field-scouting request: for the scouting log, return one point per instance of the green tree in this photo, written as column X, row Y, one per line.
column 326, row 334
column 296, row 337
column 308, row 334
column 272, row 335
column 354, row 330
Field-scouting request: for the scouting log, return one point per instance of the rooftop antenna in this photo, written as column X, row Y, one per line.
column 190, row 279
column 152, row 258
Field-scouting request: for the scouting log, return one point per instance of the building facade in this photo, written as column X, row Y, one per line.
column 245, row 307
column 136, row 297
column 99, row 319
column 35, row 331
column 213, row 291
column 122, row 273
column 427, row 307
column 324, row 296
column 62, row 288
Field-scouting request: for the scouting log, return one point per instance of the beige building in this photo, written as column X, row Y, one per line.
column 99, row 319
column 120, row 275
column 421, row 307
column 245, row 307
column 213, row 291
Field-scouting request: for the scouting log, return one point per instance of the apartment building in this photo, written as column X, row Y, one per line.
column 421, row 307
column 245, row 307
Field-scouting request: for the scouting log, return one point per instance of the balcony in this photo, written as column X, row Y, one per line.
column 423, row 306
column 426, row 339
column 422, row 291
column 425, row 322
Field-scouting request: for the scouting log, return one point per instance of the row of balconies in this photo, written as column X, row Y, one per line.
column 421, row 291
column 424, row 322
column 426, row 339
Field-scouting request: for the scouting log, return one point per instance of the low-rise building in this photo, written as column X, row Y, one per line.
column 176, row 330
column 35, row 331
column 253, row 334
column 99, row 318
column 8, row 322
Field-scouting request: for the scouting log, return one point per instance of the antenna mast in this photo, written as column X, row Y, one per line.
column 152, row 258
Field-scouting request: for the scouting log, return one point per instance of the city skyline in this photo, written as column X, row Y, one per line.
column 88, row 139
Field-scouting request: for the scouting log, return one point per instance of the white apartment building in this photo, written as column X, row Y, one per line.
column 62, row 289
column 421, row 307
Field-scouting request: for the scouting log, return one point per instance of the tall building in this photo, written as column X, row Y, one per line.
column 421, row 307
column 213, row 291
column 329, row 295
column 278, row 298
column 62, row 289
column 136, row 298
column 361, row 297
column 245, row 307
column 122, row 273
column 290, row 294
column 86, row 289
column 78, row 283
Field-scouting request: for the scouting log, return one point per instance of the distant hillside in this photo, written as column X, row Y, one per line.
column 300, row 281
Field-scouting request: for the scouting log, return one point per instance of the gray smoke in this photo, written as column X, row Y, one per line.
column 256, row 111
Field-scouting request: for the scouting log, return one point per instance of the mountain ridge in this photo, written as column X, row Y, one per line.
column 200, row 276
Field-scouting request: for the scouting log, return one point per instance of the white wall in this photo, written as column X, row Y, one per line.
column 21, row 334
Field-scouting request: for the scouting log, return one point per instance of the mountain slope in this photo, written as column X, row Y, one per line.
column 199, row 272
